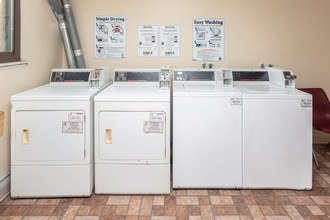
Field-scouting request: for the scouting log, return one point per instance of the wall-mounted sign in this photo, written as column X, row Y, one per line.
column 158, row 41
column 148, row 41
column 110, row 37
column 170, row 42
column 208, row 39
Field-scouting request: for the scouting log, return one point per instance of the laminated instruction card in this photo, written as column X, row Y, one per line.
column 158, row 41
column 208, row 39
column 110, row 37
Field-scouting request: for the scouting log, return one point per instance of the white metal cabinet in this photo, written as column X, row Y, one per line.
column 277, row 149
column 122, row 137
column 207, row 149
column 39, row 136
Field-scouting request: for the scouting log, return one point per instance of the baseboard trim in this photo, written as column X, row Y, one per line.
column 4, row 186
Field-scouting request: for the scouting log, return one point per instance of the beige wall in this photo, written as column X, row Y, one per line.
column 42, row 51
column 291, row 34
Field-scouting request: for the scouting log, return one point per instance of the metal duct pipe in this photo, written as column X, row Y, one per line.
column 57, row 8
column 78, row 53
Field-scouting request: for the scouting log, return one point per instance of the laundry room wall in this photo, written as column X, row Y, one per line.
column 290, row 34
column 41, row 49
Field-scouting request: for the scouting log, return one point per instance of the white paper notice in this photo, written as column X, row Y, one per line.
column 148, row 41
column 76, row 116
column 208, row 39
column 156, row 117
column 72, row 127
column 170, row 41
column 153, row 127
column 110, row 37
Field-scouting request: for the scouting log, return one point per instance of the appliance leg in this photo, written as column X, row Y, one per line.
column 315, row 160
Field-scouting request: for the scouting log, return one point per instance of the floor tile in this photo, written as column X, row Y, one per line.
column 194, row 210
column 170, row 206
column 197, row 193
column 187, row 200
column 158, row 210
column 321, row 200
column 146, row 206
column 256, row 212
column 41, row 210
column 301, row 200
column 158, row 200
column 293, row 212
column 204, row 200
column 315, row 210
column 118, row 200
column 16, row 210
column 134, row 205
column 221, row 200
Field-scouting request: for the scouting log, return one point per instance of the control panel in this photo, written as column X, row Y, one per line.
column 194, row 75
column 165, row 78
column 137, row 75
column 250, row 75
column 281, row 77
column 94, row 78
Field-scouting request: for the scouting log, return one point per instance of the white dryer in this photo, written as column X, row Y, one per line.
column 207, row 143
column 52, row 135
column 132, row 135
column 277, row 130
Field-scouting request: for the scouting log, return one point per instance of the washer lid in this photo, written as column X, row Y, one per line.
column 57, row 93
column 134, row 92
column 266, row 91
column 203, row 89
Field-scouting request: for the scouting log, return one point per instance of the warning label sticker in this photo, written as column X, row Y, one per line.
column 156, row 117
column 153, row 127
column 72, row 127
column 76, row 116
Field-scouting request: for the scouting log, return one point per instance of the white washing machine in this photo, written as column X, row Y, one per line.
column 207, row 124
column 132, row 135
column 277, row 130
column 52, row 135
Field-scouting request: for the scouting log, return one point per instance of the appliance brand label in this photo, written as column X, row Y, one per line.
column 153, row 127
column 235, row 101
column 306, row 103
column 156, row 117
column 76, row 117
column 72, row 127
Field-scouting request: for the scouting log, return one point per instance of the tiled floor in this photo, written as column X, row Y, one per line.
column 187, row 204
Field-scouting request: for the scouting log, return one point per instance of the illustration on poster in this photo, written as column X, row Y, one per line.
column 117, row 30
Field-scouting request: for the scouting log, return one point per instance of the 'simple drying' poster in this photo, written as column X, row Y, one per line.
column 110, row 37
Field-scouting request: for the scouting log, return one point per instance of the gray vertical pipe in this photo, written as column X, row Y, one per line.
column 57, row 8
column 78, row 53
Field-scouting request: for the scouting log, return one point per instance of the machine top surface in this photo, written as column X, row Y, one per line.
column 49, row 92
column 135, row 92
column 203, row 89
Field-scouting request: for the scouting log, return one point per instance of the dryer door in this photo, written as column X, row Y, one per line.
column 129, row 136
column 49, row 136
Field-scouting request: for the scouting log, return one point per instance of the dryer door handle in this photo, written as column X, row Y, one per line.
column 25, row 136
column 108, row 136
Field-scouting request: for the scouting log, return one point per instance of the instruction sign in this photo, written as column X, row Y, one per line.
column 156, row 117
column 72, row 127
column 153, row 127
column 148, row 41
column 169, row 41
column 110, row 37
column 76, row 116
column 208, row 39
column 158, row 41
